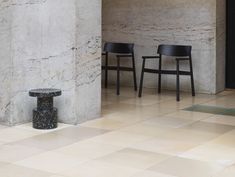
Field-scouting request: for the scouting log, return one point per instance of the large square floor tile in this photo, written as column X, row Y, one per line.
column 13, row 153
column 134, row 158
column 210, row 127
column 50, row 162
column 181, row 167
column 79, row 132
column 99, row 169
column 228, row 172
column 165, row 146
column 147, row 173
column 88, row 149
column 196, row 116
column 19, row 171
column 210, row 152
column 105, row 123
column 15, row 134
column 220, row 119
column 122, row 139
column 48, row 141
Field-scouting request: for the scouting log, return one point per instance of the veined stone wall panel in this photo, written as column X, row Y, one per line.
column 152, row 22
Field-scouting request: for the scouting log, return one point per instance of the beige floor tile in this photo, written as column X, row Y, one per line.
column 165, row 146
column 181, row 167
column 134, row 134
column 146, row 129
column 147, row 100
column 171, row 105
column 210, row 127
column 146, row 173
column 225, row 101
column 105, row 123
column 12, row 134
column 158, row 109
column 210, row 152
column 129, row 117
column 220, row 119
column 134, row 158
column 47, row 141
column 116, row 107
column 19, row 171
column 2, row 164
column 122, row 139
column 228, row 172
column 80, row 133
column 196, row 116
column 13, row 153
column 50, row 162
column 226, row 92
column 170, row 122
column 99, row 169
column 226, row 139
column 88, row 149
column 187, row 136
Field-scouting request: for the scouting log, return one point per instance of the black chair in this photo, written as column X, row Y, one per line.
column 122, row 51
column 181, row 53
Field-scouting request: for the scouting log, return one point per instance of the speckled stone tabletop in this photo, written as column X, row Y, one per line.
column 45, row 92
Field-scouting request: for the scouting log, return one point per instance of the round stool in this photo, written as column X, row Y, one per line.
column 45, row 115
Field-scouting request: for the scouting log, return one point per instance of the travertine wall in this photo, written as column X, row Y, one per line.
column 148, row 23
column 55, row 44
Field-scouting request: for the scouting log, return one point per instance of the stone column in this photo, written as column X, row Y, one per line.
column 50, row 44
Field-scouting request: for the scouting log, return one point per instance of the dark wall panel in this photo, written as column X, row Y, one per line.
column 230, row 64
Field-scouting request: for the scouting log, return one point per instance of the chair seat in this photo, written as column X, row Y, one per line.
column 169, row 72
column 114, row 68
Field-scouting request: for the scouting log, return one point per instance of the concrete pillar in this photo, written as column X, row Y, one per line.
column 50, row 44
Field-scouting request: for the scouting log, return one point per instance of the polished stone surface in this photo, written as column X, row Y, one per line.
column 148, row 137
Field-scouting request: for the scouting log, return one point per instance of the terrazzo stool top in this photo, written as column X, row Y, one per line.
column 45, row 92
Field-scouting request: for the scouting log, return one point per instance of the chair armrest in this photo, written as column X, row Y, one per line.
column 151, row 57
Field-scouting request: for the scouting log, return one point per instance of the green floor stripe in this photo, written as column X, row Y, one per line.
column 212, row 110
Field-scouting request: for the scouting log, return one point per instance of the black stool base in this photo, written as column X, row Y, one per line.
column 45, row 119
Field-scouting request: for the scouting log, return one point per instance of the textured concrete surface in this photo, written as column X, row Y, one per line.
column 50, row 44
column 149, row 23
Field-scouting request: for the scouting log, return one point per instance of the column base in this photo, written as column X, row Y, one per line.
column 45, row 119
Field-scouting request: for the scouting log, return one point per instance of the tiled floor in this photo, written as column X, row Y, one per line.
column 149, row 137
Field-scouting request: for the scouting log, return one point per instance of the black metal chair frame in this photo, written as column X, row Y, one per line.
column 181, row 53
column 122, row 51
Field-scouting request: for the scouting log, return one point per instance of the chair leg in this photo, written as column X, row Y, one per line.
column 142, row 79
column 160, row 76
column 178, row 82
column 118, row 76
column 134, row 72
column 192, row 78
column 106, row 70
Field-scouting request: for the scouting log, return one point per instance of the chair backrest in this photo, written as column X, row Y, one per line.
column 175, row 50
column 121, row 48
